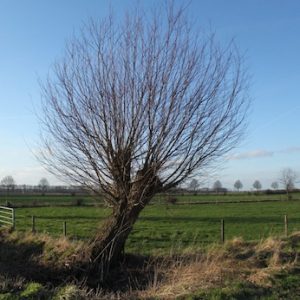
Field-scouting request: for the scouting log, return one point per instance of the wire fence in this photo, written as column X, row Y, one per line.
column 71, row 228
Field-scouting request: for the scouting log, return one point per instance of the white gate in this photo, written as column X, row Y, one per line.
column 7, row 217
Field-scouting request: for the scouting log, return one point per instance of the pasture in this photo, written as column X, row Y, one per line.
column 28, row 200
column 163, row 228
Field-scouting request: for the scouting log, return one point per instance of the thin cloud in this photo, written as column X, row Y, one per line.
column 260, row 153
column 251, row 154
column 290, row 150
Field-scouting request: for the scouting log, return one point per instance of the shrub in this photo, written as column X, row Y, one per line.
column 77, row 202
column 171, row 200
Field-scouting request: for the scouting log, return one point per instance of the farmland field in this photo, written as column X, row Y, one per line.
column 163, row 228
column 48, row 200
column 78, row 200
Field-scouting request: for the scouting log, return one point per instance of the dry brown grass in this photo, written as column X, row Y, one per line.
column 177, row 275
column 186, row 274
column 59, row 251
column 237, row 260
column 183, row 277
column 270, row 258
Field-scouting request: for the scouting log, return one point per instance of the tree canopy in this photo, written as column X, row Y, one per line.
column 238, row 185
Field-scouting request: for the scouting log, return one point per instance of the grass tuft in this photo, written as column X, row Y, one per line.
column 33, row 290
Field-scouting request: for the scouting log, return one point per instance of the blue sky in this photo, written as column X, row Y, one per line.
column 33, row 34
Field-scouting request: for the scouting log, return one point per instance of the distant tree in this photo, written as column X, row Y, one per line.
column 238, row 185
column 8, row 182
column 217, row 186
column 274, row 185
column 194, row 185
column 43, row 184
column 288, row 179
column 257, row 185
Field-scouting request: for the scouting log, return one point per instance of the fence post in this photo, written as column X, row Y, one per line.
column 65, row 228
column 286, row 225
column 13, row 219
column 33, row 224
column 222, row 231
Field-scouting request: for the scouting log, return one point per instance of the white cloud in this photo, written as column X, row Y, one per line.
column 260, row 153
column 250, row 154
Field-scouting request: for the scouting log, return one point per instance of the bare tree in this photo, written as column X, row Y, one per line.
column 136, row 107
column 257, row 185
column 288, row 179
column 8, row 182
column 217, row 186
column 43, row 184
column 238, row 185
column 274, row 185
column 194, row 185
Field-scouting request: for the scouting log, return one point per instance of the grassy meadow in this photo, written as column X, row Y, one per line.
column 48, row 200
column 163, row 228
column 86, row 200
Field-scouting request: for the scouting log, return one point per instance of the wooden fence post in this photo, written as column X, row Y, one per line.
column 33, row 224
column 222, row 231
column 286, row 225
column 13, row 219
column 65, row 228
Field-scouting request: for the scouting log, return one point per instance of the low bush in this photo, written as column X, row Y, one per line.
column 78, row 202
column 171, row 200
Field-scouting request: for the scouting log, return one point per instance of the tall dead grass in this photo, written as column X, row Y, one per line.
column 173, row 276
column 237, row 260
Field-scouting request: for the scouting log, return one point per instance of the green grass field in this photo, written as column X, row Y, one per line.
column 48, row 200
column 165, row 228
column 78, row 200
column 228, row 197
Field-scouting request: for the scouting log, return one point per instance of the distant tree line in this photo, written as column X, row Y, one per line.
column 9, row 186
column 287, row 179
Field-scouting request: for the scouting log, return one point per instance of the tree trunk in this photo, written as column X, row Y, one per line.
column 107, row 247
